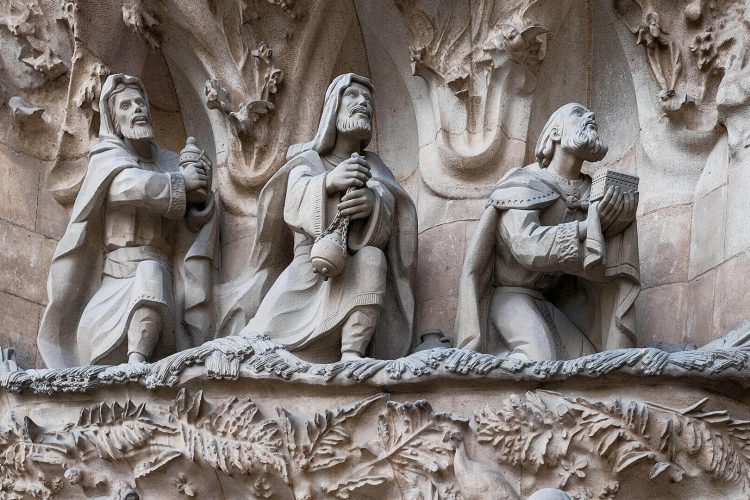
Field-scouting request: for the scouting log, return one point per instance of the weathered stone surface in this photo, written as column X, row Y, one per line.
column 664, row 245
column 19, row 187
column 661, row 312
column 24, row 262
column 19, row 322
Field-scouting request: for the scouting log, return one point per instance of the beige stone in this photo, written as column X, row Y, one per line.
column 24, row 262
column 664, row 244
column 661, row 312
column 19, row 322
column 19, row 187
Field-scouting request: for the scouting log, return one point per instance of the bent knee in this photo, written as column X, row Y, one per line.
column 371, row 258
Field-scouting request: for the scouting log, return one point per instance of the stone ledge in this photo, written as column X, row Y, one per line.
column 234, row 358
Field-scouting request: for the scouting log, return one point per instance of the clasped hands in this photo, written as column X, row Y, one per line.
column 617, row 210
column 352, row 172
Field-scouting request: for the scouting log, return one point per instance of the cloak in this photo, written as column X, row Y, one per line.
column 600, row 303
column 76, row 270
column 274, row 245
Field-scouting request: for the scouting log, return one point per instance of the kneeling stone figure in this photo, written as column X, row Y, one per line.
column 367, row 307
column 549, row 273
column 132, row 274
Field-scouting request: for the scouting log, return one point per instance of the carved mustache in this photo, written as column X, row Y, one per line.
column 138, row 117
column 359, row 109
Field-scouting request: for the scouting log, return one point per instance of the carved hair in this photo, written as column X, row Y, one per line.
column 545, row 146
column 325, row 137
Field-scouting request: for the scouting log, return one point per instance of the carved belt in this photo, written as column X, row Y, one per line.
column 123, row 262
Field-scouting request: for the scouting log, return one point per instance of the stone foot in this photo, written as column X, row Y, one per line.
column 136, row 357
column 350, row 356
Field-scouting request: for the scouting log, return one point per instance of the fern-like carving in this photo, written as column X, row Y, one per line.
column 414, row 446
column 232, row 438
column 540, row 429
column 113, row 432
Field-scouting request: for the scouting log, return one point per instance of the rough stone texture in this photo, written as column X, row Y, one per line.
column 19, row 322
column 24, row 262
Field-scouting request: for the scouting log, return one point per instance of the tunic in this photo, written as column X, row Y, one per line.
column 301, row 307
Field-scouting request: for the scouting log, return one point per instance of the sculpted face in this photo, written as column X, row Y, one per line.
column 132, row 115
column 579, row 135
column 355, row 111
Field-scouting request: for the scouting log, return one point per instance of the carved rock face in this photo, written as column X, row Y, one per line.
column 132, row 114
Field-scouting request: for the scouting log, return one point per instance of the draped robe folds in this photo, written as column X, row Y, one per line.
column 83, row 278
column 604, row 272
column 301, row 307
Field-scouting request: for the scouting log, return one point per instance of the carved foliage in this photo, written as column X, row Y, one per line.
column 544, row 428
column 349, row 452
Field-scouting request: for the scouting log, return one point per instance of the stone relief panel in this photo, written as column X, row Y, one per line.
column 380, row 446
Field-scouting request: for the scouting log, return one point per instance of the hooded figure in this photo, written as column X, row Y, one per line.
column 371, row 302
column 546, row 276
column 133, row 270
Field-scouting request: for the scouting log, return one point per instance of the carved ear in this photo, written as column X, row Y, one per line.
column 555, row 134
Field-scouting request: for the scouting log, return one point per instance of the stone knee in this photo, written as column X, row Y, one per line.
column 358, row 329
column 143, row 333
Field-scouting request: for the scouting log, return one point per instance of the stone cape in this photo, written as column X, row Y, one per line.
column 78, row 261
column 245, row 417
column 612, row 286
column 273, row 252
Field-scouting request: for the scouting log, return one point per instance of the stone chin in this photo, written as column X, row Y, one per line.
column 137, row 131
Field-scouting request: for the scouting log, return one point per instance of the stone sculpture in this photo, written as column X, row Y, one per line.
column 550, row 274
column 133, row 270
column 310, row 308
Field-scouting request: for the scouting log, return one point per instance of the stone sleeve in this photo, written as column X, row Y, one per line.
column 154, row 191
column 304, row 207
column 541, row 248
column 177, row 196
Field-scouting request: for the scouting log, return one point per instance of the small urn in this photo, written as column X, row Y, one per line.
column 432, row 339
column 328, row 254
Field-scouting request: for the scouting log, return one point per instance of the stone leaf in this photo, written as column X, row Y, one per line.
column 113, row 432
column 327, row 433
column 232, row 438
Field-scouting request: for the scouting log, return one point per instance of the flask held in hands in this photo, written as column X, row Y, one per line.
column 329, row 252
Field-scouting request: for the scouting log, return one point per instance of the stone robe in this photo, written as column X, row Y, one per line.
column 529, row 285
column 301, row 308
column 130, row 239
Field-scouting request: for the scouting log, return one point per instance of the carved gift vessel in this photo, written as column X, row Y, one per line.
column 498, row 322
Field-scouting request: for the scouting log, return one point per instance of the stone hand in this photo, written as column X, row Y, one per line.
column 196, row 182
column 357, row 204
column 610, row 207
column 352, row 172
column 627, row 215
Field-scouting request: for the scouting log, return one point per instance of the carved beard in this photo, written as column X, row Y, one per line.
column 585, row 142
column 357, row 125
column 137, row 131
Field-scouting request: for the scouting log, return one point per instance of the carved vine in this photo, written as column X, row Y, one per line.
column 416, row 451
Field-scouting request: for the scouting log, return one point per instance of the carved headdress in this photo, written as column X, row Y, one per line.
column 325, row 137
column 113, row 85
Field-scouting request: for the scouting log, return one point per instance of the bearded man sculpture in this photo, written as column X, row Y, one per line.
column 370, row 301
column 132, row 274
column 550, row 274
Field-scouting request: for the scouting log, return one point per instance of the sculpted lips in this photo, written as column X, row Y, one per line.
column 359, row 109
column 138, row 119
